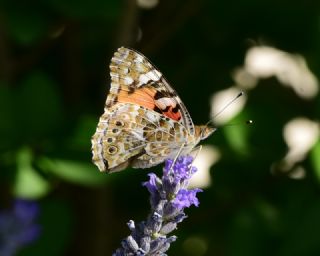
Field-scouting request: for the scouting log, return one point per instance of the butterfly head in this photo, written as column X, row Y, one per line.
column 204, row 131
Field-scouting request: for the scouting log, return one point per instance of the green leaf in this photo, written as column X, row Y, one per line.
column 28, row 183
column 74, row 171
column 315, row 159
column 238, row 137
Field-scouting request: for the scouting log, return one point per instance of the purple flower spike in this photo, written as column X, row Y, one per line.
column 151, row 184
column 186, row 198
column 17, row 227
column 168, row 198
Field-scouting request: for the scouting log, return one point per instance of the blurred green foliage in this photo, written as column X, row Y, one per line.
column 54, row 58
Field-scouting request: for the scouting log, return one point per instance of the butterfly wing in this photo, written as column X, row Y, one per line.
column 135, row 80
column 129, row 134
column 144, row 120
column 118, row 138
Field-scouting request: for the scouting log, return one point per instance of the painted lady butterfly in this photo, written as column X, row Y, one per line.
column 144, row 121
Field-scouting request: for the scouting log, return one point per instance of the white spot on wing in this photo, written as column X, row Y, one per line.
column 128, row 80
column 116, row 60
column 162, row 103
column 138, row 133
column 143, row 79
column 151, row 116
column 114, row 88
column 140, row 67
column 153, row 75
column 123, row 52
column 114, row 77
column 125, row 70
column 139, row 58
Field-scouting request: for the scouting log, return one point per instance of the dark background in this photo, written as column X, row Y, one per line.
column 54, row 77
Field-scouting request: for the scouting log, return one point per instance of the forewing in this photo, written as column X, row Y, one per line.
column 135, row 80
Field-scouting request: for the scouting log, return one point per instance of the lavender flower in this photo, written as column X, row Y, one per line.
column 168, row 198
column 17, row 227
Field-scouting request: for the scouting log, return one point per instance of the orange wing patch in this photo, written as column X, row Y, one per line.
column 173, row 113
column 145, row 96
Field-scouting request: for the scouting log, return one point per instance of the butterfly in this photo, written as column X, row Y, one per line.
column 144, row 120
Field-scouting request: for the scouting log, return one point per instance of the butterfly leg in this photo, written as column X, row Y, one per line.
column 196, row 151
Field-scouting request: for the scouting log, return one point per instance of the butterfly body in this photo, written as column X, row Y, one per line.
column 144, row 121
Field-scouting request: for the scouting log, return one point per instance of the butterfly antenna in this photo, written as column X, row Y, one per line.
column 247, row 122
column 226, row 106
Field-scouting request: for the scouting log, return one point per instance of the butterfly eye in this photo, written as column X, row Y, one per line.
column 112, row 150
column 119, row 123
